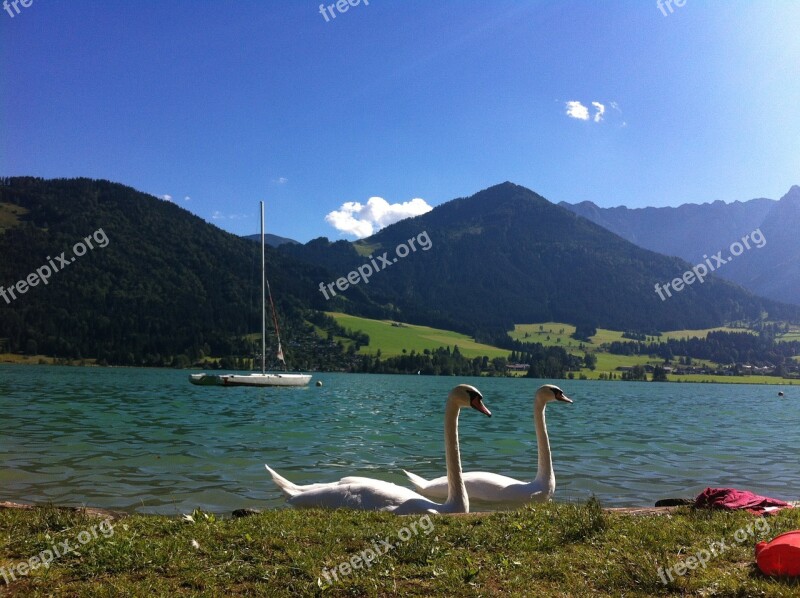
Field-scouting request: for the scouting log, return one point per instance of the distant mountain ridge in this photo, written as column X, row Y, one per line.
column 693, row 230
column 271, row 240
column 507, row 255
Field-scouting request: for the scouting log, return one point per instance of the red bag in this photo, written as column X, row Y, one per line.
column 780, row 556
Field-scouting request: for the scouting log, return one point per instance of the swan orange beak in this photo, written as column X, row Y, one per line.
column 563, row 397
column 478, row 405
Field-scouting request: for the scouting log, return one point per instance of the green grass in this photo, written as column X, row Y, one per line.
column 733, row 379
column 701, row 333
column 391, row 340
column 10, row 215
column 550, row 550
column 603, row 336
column 17, row 359
column 792, row 335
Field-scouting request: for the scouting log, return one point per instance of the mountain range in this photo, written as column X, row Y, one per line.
column 507, row 255
column 169, row 283
column 272, row 240
column 692, row 231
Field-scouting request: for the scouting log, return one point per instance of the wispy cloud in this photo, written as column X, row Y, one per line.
column 217, row 215
column 598, row 116
column 187, row 198
column 280, row 180
column 363, row 220
column 577, row 110
column 166, row 197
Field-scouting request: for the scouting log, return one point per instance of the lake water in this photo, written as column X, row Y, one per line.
column 146, row 440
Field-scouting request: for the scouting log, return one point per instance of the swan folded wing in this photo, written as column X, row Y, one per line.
column 291, row 489
column 488, row 487
column 371, row 495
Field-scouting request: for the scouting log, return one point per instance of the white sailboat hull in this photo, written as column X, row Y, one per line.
column 262, row 379
column 250, row 379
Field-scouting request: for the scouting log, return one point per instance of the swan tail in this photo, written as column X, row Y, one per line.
column 288, row 488
column 420, row 482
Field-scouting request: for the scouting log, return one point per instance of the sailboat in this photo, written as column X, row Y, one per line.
column 255, row 379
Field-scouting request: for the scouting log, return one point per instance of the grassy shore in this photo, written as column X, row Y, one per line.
column 549, row 550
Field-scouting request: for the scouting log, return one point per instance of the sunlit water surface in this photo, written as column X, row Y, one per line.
column 146, row 440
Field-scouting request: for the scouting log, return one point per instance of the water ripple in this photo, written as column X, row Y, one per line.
column 147, row 441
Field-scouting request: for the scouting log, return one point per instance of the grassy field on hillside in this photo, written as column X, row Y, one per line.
column 548, row 550
column 702, row 333
column 10, row 215
column 391, row 340
column 17, row 359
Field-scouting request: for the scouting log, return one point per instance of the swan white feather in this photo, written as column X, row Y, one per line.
column 491, row 487
column 377, row 495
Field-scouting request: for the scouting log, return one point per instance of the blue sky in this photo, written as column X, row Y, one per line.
column 231, row 102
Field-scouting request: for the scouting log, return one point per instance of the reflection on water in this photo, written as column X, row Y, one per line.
column 147, row 441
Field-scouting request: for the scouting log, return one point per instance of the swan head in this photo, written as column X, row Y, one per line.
column 465, row 395
column 551, row 392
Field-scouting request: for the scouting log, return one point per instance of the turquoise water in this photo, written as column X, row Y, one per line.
column 146, row 440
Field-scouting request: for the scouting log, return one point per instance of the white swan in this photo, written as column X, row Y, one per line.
column 491, row 487
column 377, row 495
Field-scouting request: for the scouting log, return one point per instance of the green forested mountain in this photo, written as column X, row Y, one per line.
column 507, row 255
column 167, row 283
column 272, row 240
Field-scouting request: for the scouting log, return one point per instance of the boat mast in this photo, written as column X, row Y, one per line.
column 263, row 299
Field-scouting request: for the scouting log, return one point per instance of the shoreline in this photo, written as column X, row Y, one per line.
column 117, row 515
column 4, row 361
column 238, row 513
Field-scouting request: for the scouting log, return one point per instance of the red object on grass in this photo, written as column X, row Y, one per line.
column 780, row 556
column 733, row 499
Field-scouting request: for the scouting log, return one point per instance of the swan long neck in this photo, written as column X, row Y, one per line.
column 457, row 499
column 544, row 471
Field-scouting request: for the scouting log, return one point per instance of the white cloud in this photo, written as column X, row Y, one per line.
column 363, row 220
column 598, row 116
column 280, row 180
column 217, row 215
column 166, row 197
column 577, row 110
column 574, row 109
column 187, row 198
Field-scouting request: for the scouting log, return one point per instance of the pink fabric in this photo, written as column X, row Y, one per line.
column 733, row 499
